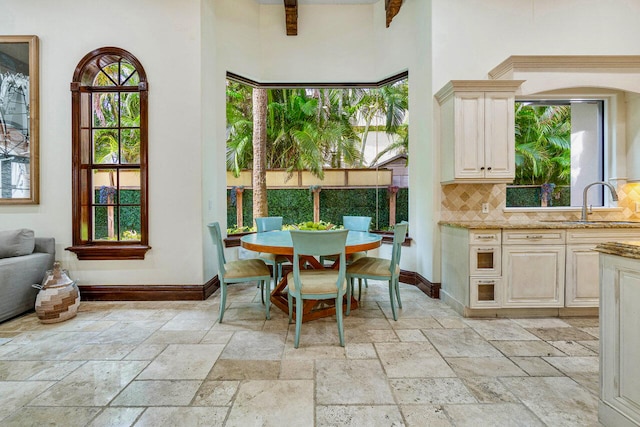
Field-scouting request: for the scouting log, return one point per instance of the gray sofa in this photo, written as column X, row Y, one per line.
column 24, row 260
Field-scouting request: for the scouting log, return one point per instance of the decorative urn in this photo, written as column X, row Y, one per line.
column 59, row 296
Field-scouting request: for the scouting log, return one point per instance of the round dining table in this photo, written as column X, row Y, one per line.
column 279, row 242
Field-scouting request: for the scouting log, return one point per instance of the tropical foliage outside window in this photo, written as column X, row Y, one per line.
column 310, row 129
column 110, row 139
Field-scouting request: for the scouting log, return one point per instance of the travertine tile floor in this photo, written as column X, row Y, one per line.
column 173, row 364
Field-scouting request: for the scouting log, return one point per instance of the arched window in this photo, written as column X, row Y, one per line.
column 109, row 136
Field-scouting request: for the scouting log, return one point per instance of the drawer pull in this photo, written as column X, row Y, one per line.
column 486, row 237
column 534, row 236
column 486, row 282
column 486, row 249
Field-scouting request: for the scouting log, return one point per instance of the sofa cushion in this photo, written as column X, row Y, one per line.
column 16, row 242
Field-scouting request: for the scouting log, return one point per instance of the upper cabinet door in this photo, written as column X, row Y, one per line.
column 499, row 135
column 469, row 135
column 477, row 130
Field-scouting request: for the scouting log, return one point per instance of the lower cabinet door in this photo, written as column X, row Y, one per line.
column 485, row 292
column 582, row 288
column 533, row 275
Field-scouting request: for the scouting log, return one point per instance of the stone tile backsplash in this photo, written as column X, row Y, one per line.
column 463, row 202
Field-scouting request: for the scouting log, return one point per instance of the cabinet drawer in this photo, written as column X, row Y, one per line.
column 481, row 237
column 485, row 292
column 533, row 237
column 602, row 236
column 485, row 260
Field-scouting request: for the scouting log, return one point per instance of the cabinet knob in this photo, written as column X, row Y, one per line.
column 482, row 168
column 489, row 168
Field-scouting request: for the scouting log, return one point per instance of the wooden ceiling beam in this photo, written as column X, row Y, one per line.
column 291, row 16
column 392, row 7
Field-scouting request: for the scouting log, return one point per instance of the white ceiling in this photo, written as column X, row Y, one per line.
column 320, row 1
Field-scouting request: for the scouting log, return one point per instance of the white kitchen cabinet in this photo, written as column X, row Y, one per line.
column 477, row 135
column 533, row 263
column 619, row 341
column 582, row 285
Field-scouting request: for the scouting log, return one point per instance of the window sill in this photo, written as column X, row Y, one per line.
column 102, row 252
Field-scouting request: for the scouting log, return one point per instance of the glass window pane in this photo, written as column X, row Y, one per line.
column 105, row 109
column 130, row 146
column 105, row 219
column 103, row 80
column 129, row 187
column 130, row 223
column 105, row 146
column 132, row 80
column 127, row 72
column 112, row 71
column 105, row 183
column 130, row 109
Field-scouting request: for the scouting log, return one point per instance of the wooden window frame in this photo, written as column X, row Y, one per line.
column 86, row 248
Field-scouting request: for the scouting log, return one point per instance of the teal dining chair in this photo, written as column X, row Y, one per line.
column 321, row 283
column 355, row 223
column 240, row 271
column 271, row 223
column 380, row 269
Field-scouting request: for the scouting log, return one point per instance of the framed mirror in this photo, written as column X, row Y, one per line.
column 19, row 166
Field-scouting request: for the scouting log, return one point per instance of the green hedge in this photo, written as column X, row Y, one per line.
column 296, row 205
column 522, row 197
column 128, row 216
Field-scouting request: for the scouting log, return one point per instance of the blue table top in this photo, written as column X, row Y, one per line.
column 279, row 242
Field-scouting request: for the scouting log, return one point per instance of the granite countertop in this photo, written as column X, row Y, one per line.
column 624, row 249
column 545, row 224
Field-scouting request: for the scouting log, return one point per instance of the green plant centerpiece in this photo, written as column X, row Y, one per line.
column 310, row 225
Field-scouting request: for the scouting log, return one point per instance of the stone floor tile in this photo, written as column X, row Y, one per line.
column 351, row 382
column 291, row 369
column 410, row 335
column 572, row 348
column 574, row 365
column 595, row 331
column 488, row 390
column 215, row 336
column 120, row 417
column 244, row 370
column 484, row 367
column 497, row 415
column 425, row 415
column 99, row 352
column 254, row 345
column 412, row 360
column 536, row 367
column 182, row 324
column 409, row 323
column 361, row 351
column 582, row 322
column 557, row 401
column 593, row 345
column 357, row 416
column 175, row 337
column 146, row 351
column 183, row 362
column 60, row 416
column 451, row 322
column 254, row 404
column 314, row 351
column 216, row 393
column 526, row 348
column 181, row 416
column 460, row 343
column 560, row 334
column 500, row 329
column 16, row 394
column 93, row 384
column 542, row 322
column 158, row 393
column 433, row 391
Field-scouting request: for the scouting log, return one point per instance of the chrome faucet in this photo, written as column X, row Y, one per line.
column 614, row 196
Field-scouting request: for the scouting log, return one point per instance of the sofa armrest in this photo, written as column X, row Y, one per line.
column 45, row 245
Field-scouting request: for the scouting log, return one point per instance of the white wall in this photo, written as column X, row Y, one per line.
column 165, row 36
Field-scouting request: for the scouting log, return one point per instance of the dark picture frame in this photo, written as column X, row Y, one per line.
column 19, row 120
